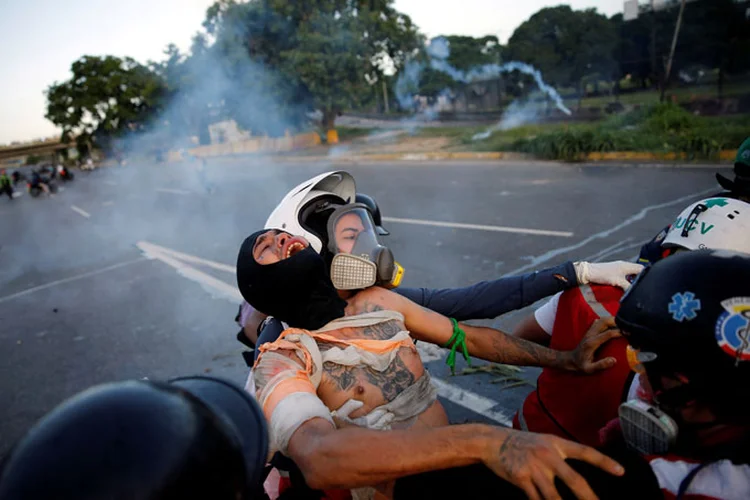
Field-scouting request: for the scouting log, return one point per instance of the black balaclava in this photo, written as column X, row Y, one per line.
column 296, row 290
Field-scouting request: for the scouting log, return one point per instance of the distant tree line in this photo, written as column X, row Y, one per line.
column 267, row 64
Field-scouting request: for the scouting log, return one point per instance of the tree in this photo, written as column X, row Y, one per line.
column 567, row 45
column 467, row 52
column 106, row 97
column 324, row 54
column 333, row 62
column 714, row 36
column 633, row 51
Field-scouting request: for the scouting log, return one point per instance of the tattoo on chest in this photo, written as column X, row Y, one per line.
column 394, row 380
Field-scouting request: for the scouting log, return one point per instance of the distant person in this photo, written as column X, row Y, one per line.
column 6, row 186
column 37, row 181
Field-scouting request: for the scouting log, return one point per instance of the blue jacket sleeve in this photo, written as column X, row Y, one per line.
column 490, row 299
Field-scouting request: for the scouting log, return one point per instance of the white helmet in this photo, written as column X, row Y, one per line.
column 305, row 209
column 713, row 223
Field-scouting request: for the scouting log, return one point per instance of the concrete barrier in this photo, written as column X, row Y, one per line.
column 250, row 146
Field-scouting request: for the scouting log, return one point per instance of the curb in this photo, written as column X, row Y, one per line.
column 724, row 155
column 434, row 156
column 614, row 156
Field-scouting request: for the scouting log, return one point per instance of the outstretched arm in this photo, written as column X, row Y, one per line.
column 355, row 457
column 494, row 345
column 490, row 299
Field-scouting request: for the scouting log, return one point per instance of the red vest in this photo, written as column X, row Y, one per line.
column 570, row 405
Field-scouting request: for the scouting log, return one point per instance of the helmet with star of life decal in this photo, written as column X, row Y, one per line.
column 692, row 310
column 305, row 210
column 712, row 223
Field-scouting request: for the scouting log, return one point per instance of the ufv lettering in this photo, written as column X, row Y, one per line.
column 680, row 222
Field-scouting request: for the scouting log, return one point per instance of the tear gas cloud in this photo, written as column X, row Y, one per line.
column 518, row 113
column 212, row 88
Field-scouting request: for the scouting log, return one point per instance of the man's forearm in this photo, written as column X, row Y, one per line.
column 494, row 345
column 489, row 299
column 355, row 457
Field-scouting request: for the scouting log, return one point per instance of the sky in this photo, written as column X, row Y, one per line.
column 41, row 38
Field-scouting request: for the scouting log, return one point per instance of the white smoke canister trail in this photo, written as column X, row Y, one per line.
column 439, row 50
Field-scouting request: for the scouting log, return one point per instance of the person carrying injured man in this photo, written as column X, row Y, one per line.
column 345, row 391
column 577, row 406
column 305, row 212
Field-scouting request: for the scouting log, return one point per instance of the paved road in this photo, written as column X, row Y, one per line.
column 80, row 305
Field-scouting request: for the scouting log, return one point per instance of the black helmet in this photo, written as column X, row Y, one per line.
column 196, row 437
column 372, row 206
column 693, row 311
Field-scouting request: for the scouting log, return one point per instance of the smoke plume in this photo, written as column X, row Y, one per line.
column 438, row 52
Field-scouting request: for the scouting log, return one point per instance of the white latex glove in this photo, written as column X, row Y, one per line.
column 607, row 273
column 379, row 419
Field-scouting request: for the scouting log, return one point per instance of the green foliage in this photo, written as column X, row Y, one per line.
column 350, row 133
column 566, row 45
column 467, row 52
column 105, row 97
column 569, row 144
column 322, row 54
column 659, row 129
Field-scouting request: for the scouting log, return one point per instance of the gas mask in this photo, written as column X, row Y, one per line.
column 359, row 259
column 653, row 427
column 645, row 427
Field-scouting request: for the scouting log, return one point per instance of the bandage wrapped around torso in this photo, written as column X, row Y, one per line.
column 286, row 384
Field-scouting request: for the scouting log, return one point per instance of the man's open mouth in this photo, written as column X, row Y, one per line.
column 294, row 246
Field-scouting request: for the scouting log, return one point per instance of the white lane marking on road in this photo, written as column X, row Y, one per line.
column 173, row 191
column 474, row 402
column 17, row 194
column 210, row 283
column 108, row 203
column 462, row 397
column 536, row 261
column 480, row 227
column 70, row 279
column 80, row 211
column 146, row 247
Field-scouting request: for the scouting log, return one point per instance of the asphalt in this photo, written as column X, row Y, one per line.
column 81, row 305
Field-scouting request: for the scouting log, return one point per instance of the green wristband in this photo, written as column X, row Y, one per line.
column 458, row 339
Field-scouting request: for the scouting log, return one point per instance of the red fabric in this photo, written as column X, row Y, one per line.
column 581, row 404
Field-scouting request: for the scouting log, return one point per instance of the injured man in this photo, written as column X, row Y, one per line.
column 348, row 398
